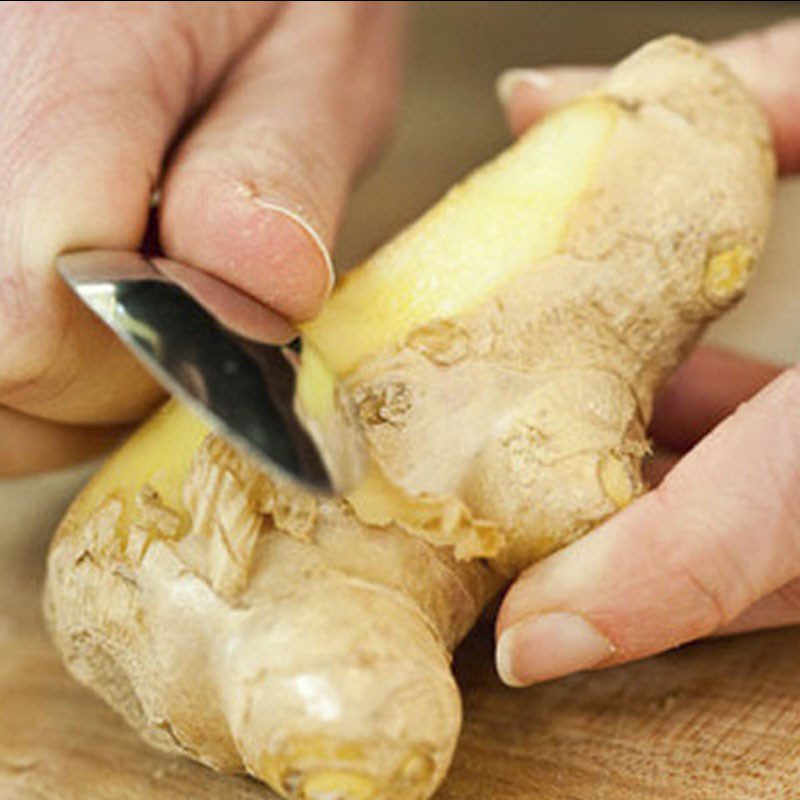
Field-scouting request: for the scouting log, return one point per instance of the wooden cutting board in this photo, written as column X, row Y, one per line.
column 715, row 721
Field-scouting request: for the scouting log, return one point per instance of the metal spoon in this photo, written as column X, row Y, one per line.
column 203, row 341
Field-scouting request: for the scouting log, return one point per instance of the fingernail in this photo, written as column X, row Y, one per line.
column 508, row 81
column 549, row 646
column 310, row 232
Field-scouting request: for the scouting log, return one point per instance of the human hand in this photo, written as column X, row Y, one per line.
column 253, row 117
column 715, row 547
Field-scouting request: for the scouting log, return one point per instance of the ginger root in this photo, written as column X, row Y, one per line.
column 502, row 354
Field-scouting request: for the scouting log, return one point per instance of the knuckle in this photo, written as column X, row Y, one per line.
column 711, row 599
column 784, row 419
column 789, row 596
column 792, row 377
column 709, row 570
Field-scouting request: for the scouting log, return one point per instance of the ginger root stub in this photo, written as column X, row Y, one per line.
column 502, row 354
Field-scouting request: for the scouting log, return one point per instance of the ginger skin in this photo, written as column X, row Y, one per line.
column 502, row 354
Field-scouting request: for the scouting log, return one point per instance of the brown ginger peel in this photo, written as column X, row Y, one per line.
column 502, row 354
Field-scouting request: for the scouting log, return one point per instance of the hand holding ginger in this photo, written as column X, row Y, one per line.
column 714, row 548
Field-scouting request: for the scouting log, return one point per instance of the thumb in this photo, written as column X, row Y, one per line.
column 685, row 560
column 766, row 61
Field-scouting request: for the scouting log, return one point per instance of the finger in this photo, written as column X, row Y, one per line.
column 766, row 61
column 256, row 192
column 720, row 532
column 777, row 610
column 708, row 387
column 91, row 94
column 528, row 94
column 29, row 445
